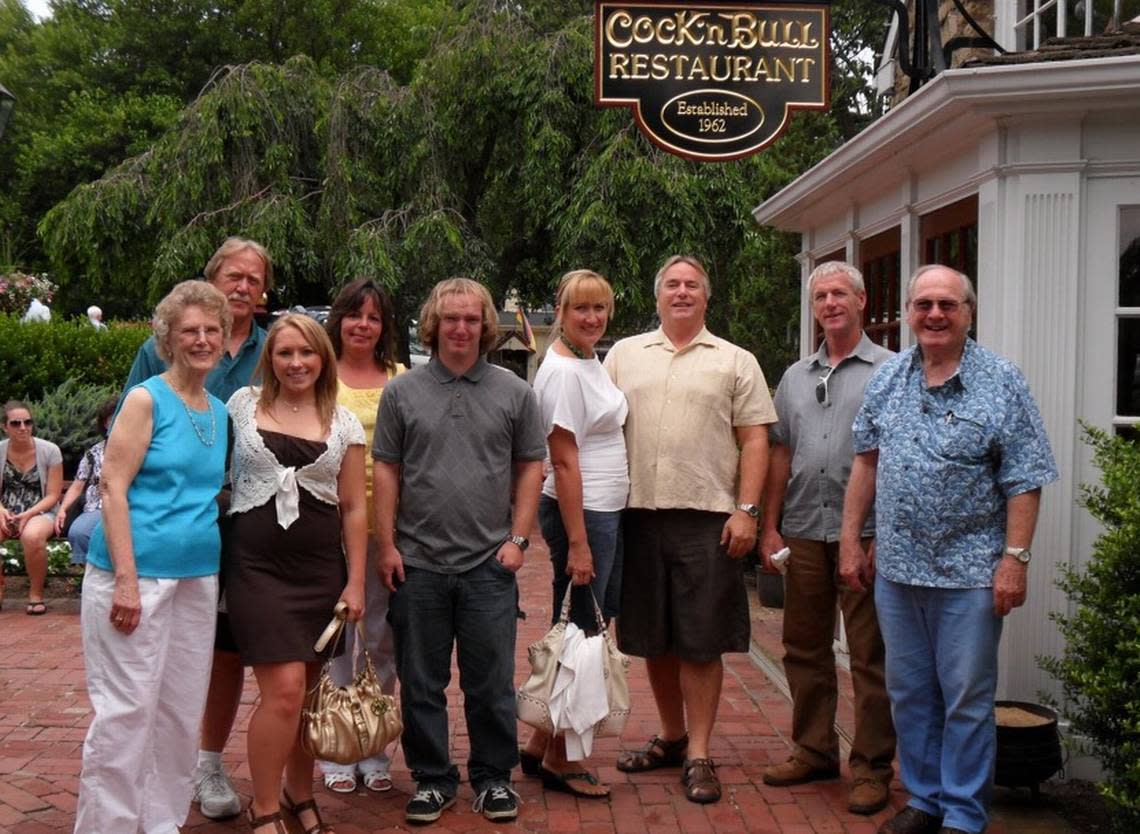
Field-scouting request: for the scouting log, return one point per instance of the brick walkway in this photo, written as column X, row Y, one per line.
column 44, row 714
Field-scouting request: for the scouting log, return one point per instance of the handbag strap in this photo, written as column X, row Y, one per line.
column 335, row 629
column 564, row 617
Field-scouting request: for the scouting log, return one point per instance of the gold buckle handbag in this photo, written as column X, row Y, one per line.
column 347, row 724
column 534, row 695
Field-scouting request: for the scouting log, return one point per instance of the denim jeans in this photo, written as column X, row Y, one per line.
column 603, row 534
column 79, row 535
column 942, row 678
column 477, row 611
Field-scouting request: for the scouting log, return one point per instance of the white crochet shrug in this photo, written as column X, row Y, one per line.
column 257, row 474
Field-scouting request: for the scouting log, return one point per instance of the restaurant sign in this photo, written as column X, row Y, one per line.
column 714, row 81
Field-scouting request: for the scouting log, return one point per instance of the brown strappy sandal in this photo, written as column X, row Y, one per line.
column 297, row 808
column 657, row 753
column 275, row 819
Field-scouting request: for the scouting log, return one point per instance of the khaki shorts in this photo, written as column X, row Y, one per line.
column 682, row 594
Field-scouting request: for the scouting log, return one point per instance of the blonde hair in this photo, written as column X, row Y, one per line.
column 429, row 315
column 236, row 245
column 188, row 294
column 581, row 284
column 324, row 390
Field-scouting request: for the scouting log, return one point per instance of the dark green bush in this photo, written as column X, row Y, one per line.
column 66, row 417
column 38, row 358
column 1100, row 669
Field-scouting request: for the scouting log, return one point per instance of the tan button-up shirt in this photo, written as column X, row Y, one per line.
column 683, row 407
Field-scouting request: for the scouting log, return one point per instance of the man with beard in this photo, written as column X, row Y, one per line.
column 242, row 270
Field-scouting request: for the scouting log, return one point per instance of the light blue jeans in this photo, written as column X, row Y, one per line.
column 79, row 534
column 942, row 678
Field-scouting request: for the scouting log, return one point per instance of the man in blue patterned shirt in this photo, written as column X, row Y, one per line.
column 951, row 451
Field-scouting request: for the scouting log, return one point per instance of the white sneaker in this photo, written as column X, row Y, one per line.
column 215, row 795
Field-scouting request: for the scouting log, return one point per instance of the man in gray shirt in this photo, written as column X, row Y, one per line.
column 807, row 475
column 451, row 437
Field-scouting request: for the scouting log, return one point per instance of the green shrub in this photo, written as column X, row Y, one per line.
column 1100, row 669
column 38, row 358
column 59, row 558
column 66, row 416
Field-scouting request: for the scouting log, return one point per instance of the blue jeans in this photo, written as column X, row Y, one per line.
column 603, row 534
column 477, row 611
column 79, row 535
column 942, row 678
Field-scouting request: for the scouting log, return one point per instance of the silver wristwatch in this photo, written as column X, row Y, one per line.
column 752, row 510
column 1021, row 554
column 521, row 541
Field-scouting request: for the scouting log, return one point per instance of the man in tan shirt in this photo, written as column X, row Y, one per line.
column 697, row 437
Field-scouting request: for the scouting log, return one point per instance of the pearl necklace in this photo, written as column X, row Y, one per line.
column 573, row 348
column 213, row 436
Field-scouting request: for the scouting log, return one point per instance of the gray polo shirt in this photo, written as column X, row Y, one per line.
column 820, row 438
column 456, row 439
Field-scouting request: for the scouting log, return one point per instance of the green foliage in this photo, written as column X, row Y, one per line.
column 66, row 416
column 38, row 358
column 59, row 558
column 1100, row 669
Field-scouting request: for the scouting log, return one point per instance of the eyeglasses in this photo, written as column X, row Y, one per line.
column 821, row 395
column 17, row 423
column 946, row 305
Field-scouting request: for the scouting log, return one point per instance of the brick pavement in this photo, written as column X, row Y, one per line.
column 44, row 713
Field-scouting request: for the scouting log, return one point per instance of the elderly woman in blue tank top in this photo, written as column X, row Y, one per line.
column 150, row 590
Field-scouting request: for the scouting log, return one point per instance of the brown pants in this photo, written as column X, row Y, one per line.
column 812, row 590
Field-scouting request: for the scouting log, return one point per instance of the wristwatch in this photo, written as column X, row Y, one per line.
column 1021, row 554
column 521, row 541
column 752, row 510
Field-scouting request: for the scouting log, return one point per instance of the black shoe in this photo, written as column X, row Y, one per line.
column 910, row 820
column 427, row 806
column 497, row 802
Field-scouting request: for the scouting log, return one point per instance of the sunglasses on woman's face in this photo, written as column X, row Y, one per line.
column 17, row 423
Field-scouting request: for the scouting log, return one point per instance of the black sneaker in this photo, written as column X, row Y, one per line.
column 427, row 806
column 498, row 802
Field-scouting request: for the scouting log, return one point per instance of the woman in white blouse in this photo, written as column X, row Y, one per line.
column 298, row 510
column 585, row 491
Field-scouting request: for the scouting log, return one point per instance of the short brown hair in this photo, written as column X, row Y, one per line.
column 349, row 300
column 429, row 315
column 170, row 310
column 235, row 245
column 326, row 384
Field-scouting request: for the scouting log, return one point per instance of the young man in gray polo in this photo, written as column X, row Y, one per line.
column 451, row 437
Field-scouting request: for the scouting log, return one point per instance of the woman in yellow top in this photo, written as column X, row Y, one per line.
column 363, row 333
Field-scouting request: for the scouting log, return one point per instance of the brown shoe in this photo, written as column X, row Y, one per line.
column 657, row 753
column 699, row 779
column 868, row 796
column 795, row 772
column 911, row 821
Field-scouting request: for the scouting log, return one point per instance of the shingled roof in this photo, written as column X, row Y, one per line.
column 1112, row 45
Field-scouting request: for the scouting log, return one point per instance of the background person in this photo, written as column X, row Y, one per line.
column 150, row 590
column 95, row 317
column 810, row 460
column 31, row 479
column 697, row 439
column 86, row 486
column 951, row 452
column 363, row 334
column 582, row 498
column 243, row 271
column 297, row 515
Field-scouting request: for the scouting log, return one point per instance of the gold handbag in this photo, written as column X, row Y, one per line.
column 347, row 724
column 534, row 695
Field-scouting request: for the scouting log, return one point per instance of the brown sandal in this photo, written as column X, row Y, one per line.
column 699, row 779
column 657, row 753
column 275, row 819
column 295, row 809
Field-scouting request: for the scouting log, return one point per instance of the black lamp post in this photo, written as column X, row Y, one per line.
column 7, row 102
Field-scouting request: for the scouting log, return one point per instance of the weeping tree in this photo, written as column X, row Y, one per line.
column 492, row 161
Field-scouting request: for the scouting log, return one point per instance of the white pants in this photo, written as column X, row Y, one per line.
column 148, row 692
column 381, row 648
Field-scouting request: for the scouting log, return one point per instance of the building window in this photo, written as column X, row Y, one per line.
column 950, row 237
column 1128, row 324
column 881, row 258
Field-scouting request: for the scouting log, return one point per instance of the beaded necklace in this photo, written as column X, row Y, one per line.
column 198, row 430
column 573, row 348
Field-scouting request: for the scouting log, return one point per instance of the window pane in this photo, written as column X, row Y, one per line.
column 1130, row 257
column 1130, row 433
column 1128, row 367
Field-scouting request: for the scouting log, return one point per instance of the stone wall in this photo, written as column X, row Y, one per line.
column 953, row 25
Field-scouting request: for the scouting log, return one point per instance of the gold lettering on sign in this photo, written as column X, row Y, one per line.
column 733, row 30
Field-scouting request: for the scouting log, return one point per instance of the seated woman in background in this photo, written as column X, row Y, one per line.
column 295, row 547
column 86, row 484
column 31, row 479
